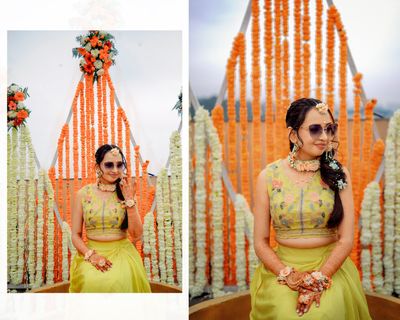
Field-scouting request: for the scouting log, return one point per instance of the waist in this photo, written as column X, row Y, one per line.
column 306, row 243
column 284, row 233
column 107, row 245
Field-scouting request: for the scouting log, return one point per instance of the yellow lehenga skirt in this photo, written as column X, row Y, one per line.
column 345, row 299
column 127, row 273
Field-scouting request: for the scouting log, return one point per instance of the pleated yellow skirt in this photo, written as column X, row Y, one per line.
column 344, row 300
column 127, row 273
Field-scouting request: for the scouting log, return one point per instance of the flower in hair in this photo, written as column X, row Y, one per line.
column 333, row 164
column 341, row 185
column 322, row 108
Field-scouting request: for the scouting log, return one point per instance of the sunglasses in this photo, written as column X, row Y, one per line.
column 316, row 130
column 111, row 165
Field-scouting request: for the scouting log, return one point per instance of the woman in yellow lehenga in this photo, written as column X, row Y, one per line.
column 108, row 262
column 308, row 197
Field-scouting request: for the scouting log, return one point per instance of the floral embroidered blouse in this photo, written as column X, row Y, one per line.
column 101, row 216
column 298, row 212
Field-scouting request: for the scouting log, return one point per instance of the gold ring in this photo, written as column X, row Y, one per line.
column 102, row 263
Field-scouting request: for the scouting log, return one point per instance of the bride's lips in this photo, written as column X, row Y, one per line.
column 321, row 146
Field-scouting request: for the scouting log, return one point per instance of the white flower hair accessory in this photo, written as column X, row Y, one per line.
column 322, row 108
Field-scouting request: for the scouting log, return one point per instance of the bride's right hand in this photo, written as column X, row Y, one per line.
column 100, row 263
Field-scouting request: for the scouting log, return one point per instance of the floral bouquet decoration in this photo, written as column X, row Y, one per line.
column 17, row 112
column 97, row 51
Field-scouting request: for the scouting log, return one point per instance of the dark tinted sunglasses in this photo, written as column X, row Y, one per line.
column 316, row 130
column 110, row 165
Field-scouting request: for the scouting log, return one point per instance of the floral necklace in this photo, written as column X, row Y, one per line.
column 303, row 165
column 106, row 187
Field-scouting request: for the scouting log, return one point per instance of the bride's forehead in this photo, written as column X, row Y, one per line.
column 314, row 116
column 109, row 156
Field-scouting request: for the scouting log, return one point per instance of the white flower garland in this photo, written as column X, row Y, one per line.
column 217, row 256
column 240, row 208
column 370, row 235
column 377, row 266
column 13, row 206
column 148, row 221
column 66, row 236
column 396, row 116
column 31, row 208
column 21, row 204
column 389, row 204
column 9, row 155
column 160, row 226
column 168, row 229
column 50, row 232
column 191, row 213
column 40, row 223
column 176, row 199
column 154, row 260
column 249, row 231
column 200, row 199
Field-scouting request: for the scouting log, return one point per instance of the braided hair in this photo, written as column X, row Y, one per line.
column 100, row 154
column 331, row 170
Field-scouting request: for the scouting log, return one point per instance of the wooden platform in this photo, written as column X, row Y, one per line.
column 63, row 287
column 237, row 307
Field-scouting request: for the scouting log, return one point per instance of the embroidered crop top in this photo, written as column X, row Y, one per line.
column 298, row 211
column 101, row 216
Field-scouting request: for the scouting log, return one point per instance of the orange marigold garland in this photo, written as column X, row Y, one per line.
column 232, row 169
column 376, row 156
column 60, row 203
column 99, row 113
column 82, row 125
column 318, row 49
column 112, row 107
column 306, row 49
column 269, row 143
column 218, row 120
column 278, row 77
column 330, row 58
column 256, row 88
column 367, row 143
column 105, row 115
column 286, row 64
column 75, row 148
column 356, row 141
column 343, row 121
column 119, row 126
column 297, row 50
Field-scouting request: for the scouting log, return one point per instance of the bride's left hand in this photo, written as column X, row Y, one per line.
column 127, row 188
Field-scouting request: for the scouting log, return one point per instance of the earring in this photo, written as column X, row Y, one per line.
column 98, row 173
column 294, row 150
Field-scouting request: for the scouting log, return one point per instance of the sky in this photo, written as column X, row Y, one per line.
column 147, row 80
column 373, row 31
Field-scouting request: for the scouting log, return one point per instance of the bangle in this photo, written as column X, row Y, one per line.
column 324, row 280
column 88, row 254
column 283, row 274
column 130, row 203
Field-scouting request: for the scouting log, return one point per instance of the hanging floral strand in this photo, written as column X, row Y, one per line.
column 318, row 49
column 330, row 59
column 269, row 114
column 297, row 50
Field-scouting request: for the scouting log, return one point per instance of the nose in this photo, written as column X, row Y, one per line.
column 324, row 135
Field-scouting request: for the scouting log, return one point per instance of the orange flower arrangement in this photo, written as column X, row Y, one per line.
column 112, row 107
column 330, row 58
column 97, row 53
column 318, row 49
column 119, row 126
column 17, row 112
column 75, row 149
